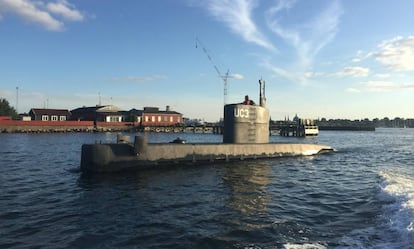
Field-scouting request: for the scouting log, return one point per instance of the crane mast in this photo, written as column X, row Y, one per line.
column 224, row 77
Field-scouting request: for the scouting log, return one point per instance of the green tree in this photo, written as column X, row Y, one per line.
column 7, row 110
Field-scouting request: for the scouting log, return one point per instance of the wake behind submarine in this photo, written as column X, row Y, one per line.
column 245, row 137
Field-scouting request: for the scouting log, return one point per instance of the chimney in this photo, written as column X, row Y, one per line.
column 167, row 108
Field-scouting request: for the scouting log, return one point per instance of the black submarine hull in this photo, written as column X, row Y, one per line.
column 143, row 155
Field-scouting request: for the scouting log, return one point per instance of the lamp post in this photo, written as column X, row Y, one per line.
column 17, row 99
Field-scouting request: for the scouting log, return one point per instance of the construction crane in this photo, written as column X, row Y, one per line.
column 224, row 77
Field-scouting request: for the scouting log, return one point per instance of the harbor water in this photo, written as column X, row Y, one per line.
column 361, row 196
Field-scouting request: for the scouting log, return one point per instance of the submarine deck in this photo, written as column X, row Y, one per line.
column 118, row 157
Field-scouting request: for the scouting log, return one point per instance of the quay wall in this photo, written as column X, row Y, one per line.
column 17, row 126
column 37, row 126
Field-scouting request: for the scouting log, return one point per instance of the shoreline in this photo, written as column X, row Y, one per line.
column 18, row 126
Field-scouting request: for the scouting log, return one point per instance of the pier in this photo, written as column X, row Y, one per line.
column 202, row 129
column 297, row 128
column 34, row 126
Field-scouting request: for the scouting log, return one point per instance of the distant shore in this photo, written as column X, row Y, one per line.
column 346, row 128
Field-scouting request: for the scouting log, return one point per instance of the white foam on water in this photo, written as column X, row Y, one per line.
column 395, row 225
column 304, row 246
column 398, row 189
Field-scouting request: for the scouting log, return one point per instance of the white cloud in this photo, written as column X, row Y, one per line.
column 41, row 13
column 361, row 55
column 302, row 77
column 321, row 30
column 354, row 72
column 379, row 86
column 310, row 74
column 397, row 54
column 66, row 10
column 382, row 75
column 236, row 14
column 237, row 76
column 138, row 79
column 277, row 70
column 352, row 90
column 384, row 86
column 308, row 38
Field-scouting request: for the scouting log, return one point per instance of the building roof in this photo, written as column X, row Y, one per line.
column 134, row 112
column 156, row 110
column 44, row 111
column 98, row 108
column 110, row 109
column 161, row 112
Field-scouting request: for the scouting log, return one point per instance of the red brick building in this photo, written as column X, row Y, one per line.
column 5, row 118
column 152, row 116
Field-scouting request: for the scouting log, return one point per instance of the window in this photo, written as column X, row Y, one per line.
column 159, row 118
column 152, row 118
column 171, row 119
column 62, row 118
column 146, row 118
column 165, row 118
column 54, row 118
column 115, row 119
column 45, row 118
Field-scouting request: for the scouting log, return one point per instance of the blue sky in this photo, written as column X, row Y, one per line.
column 321, row 58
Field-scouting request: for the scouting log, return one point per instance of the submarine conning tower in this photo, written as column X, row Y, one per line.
column 247, row 123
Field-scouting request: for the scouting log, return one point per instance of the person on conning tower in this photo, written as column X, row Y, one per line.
column 248, row 101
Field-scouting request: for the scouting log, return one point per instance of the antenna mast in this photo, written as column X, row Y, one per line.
column 262, row 94
column 223, row 77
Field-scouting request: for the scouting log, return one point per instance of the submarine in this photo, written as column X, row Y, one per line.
column 245, row 137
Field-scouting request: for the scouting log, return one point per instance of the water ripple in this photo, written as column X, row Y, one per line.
column 338, row 200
